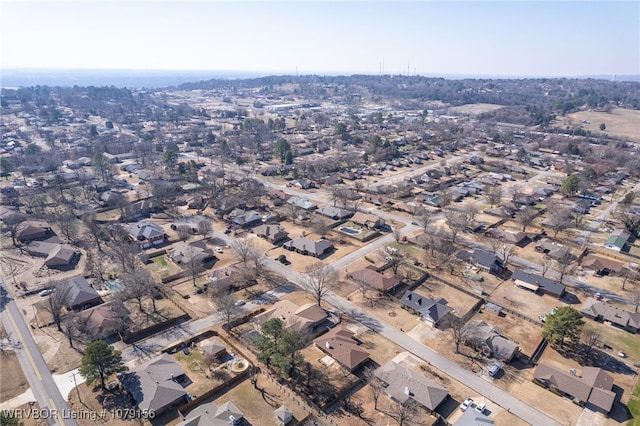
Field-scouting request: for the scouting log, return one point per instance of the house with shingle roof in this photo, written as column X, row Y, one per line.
column 538, row 283
column 489, row 340
column 303, row 319
column 101, row 321
column 335, row 213
column 367, row 220
column 190, row 253
column 600, row 264
column 308, row 247
column 78, row 293
column 483, row 259
column 30, row 230
column 592, row 389
column 340, row 344
column 378, row 281
column 617, row 240
column 272, row 233
column 147, row 234
column 403, row 383
column 211, row 414
column 431, row 311
column 154, row 385
column 602, row 311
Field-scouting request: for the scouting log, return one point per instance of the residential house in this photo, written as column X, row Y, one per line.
column 272, row 233
column 600, row 264
column 303, row 184
column 331, row 180
column 31, row 230
column 604, row 312
column 191, row 253
column 378, row 200
column 340, row 344
column 488, row 338
column 78, row 293
column 308, row 247
column 552, row 249
column 617, row 240
column 403, row 383
column 304, row 319
column 223, row 277
column 431, row 311
column 154, row 385
column 139, row 209
column 381, row 282
column 101, row 321
column 283, row 415
column 244, row 219
column 211, row 414
column 57, row 256
column 367, row 220
column 537, row 283
column 473, row 418
column 147, row 234
column 592, row 388
column 302, row 203
column 214, row 348
column 519, row 239
column 335, row 213
column 484, row 260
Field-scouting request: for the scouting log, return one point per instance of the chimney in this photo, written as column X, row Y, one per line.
column 407, row 391
column 328, row 345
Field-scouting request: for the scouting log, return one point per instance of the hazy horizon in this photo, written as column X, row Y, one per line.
column 516, row 39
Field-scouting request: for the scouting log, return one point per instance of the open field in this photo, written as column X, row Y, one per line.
column 12, row 382
column 619, row 122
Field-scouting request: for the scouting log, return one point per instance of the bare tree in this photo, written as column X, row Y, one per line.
column 563, row 264
column 292, row 211
column 458, row 329
column 70, row 327
column 375, row 385
column 545, row 267
column 243, row 249
column 425, row 219
column 506, row 252
column 404, row 412
column 590, row 338
column 317, row 279
column 192, row 263
column 396, row 234
column 321, row 226
column 559, row 219
column 526, row 217
column 635, row 298
column 184, row 232
column 494, row 195
column 57, row 301
column 204, row 227
column 137, row 285
column 456, row 223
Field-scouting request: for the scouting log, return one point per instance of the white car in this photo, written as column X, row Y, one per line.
column 46, row 292
column 480, row 407
column 239, row 302
column 466, row 404
column 218, row 250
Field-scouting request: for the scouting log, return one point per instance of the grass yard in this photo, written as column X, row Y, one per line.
column 619, row 122
column 163, row 267
column 634, row 406
column 13, row 381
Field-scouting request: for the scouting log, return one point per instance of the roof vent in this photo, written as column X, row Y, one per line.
column 328, row 345
column 407, row 391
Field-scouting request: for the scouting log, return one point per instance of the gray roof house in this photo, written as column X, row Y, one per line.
column 403, row 383
column 211, row 414
column 302, row 202
column 154, row 384
column 214, row 348
column 601, row 311
column 483, row 259
column 283, row 415
column 245, row 218
column 489, row 340
column 271, row 233
column 473, row 418
column 185, row 253
column 308, row 247
column 335, row 213
column 78, row 294
column 431, row 311
column 537, row 283
column 30, row 230
column 592, row 389
column 147, row 234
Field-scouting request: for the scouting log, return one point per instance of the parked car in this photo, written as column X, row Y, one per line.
column 480, row 407
column 218, row 250
column 466, row 404
column 493, row 371
column 46, row 292
column 239, row 302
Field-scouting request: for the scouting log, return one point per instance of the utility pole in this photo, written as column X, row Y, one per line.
column 76, row 384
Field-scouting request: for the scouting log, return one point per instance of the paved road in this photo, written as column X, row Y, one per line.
column 35, row 369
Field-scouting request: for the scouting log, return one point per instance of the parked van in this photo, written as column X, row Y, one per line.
column 493, row 371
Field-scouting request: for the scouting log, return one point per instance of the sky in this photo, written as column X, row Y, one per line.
column 511, row 38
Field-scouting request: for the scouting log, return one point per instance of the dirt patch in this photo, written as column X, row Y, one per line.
column 96, row 406
column 13, row 381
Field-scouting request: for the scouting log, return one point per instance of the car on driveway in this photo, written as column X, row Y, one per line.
column 218, row 250
column 494, row 370
column 480, row 407
column 239, row 302
column 466, row 404
column 46, row 292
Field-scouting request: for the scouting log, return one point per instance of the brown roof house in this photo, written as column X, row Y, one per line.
column 367, row 220
column 211, row 414
column 191, row 253
column 375, row 279
column 308, row 247
column 601, row 311
column 102, row 321
column 489, row 340
column 305, row 319
column 592, row 389
column 272, row 233
column 340, row 344
column 155, row 384
column 214, row 348
column 57, row 256
column 78, row 293
column 600, row 264
column 403, row 383
column 30, row 230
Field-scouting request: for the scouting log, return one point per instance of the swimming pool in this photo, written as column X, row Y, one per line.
column 350, row 231
column 113, row 285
